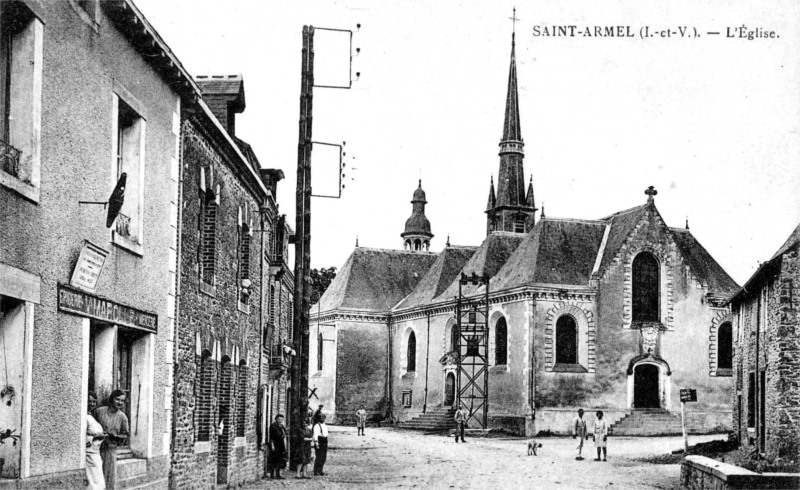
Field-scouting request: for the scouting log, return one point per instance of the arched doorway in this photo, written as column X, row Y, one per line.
column 646, row 392
column 449, row 389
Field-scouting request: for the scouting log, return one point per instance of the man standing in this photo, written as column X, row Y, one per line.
column 461, row 420
column 317, row 415
column 115, row 425
column 579, row 430
column 277, row 447
column 319, row 440
column 361, row 415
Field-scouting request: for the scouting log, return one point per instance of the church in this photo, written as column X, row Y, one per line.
column 546, row 316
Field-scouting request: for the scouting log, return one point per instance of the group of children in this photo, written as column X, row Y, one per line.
column 600, row 434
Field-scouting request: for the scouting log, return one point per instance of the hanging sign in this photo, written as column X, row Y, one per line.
column 90, row 265
column 77, row 302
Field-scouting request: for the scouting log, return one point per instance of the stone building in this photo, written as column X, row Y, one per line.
column 766, row 365
column 90, row 93
column 616, row 313
column 230, row 244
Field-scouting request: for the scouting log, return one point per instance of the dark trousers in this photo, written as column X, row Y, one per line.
column 321, row 454
column 460, row 430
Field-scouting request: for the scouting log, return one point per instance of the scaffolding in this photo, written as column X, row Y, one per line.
column 472, row 317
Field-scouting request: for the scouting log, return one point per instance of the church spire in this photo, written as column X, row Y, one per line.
column 492, row 199
column 513, row 209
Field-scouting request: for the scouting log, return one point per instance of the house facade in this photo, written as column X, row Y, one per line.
column 87, row 283
column 764, row 331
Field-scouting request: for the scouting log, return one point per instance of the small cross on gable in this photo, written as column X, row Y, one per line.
column 650, row 191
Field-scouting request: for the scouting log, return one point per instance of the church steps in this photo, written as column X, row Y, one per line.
column 647, row 423
column 436, row 419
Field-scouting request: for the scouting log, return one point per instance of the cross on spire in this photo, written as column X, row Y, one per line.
column 650, row 191
column 514, row 20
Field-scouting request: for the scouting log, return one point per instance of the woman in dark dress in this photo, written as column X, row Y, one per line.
column 277, row 447
column 306, row 450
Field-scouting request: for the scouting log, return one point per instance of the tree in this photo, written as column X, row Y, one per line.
column 320, row 280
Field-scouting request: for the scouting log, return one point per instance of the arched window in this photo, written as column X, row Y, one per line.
column 412, row 353
column 725, row 347
column 566, row 340
column 645, row 288
column 455, row 338
column 320, row 343
column 417, row 245
column 501, row 342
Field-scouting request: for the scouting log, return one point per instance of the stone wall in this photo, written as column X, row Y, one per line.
column 701, row 473
column 215, row 323
column 773, row 310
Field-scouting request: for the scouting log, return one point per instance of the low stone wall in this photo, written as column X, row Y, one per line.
column 559, row 421
column 514, row 424
column 701, row 473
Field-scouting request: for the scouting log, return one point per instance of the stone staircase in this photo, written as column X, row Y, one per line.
column 132, row 473
column 437, row 419
column 647, row 422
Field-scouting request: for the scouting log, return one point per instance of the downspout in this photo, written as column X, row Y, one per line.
column 259, row 390
column 427, row 357
column 176, row 342
column 757, row 393
column 389, row 369
column 532, row 373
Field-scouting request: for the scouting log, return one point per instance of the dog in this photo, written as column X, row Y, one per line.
column 533, row 445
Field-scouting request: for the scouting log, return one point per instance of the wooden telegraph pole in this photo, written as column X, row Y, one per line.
column 302, row 256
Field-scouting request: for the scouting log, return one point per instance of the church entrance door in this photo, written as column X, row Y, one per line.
column 449, row 390
column 645, row 386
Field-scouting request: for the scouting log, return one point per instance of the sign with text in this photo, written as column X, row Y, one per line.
column 90, row 265
column 688, row 395
column 75, row 301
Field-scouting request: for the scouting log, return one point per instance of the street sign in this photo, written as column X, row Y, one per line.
column 89, row 266
column 688, row 395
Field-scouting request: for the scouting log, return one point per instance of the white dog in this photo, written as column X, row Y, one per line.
column 533, row 446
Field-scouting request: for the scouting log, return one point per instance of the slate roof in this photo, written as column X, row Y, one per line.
column 766, row 269
column 489, row 258
column 558, row 251
column 793, row 240
column 375, row 279
column 446, row 268
column 707, row 270
column 622, row 224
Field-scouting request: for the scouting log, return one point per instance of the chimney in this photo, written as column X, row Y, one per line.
column 271, row 177
column 224, row 95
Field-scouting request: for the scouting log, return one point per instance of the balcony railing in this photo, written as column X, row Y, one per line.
column 9, row 158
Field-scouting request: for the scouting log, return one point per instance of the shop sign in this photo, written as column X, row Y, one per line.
column 90, row 265
column 75, row 301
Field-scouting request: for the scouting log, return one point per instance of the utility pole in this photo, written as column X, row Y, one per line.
column 302, row 258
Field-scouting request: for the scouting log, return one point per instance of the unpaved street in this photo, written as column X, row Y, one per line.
column 390, row 458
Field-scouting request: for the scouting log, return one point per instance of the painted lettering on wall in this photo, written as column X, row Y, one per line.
column 74, row 301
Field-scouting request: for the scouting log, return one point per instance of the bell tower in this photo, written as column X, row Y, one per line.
column 511, row 209
column 417, row 235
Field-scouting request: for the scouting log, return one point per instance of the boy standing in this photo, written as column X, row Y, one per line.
column 361, row 421
column 579, row 431
column 600, row 435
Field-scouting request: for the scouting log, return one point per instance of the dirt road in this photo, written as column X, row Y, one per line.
column 391, row 458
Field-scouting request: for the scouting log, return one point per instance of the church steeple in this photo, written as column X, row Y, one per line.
column 417, row 235
column 513, row 209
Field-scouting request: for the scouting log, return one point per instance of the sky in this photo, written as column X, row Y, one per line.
column 713, row 122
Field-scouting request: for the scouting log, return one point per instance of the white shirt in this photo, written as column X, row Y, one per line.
column 319, row 430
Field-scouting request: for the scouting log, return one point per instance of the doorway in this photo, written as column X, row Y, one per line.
column 646, row 393
column 449, row 390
